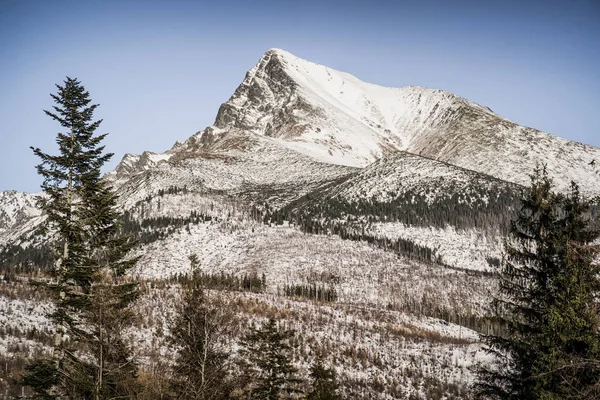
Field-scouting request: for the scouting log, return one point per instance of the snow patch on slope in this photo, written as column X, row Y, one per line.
column 465, row 249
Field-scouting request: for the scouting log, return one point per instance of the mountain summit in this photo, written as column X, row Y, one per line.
column 334, row 117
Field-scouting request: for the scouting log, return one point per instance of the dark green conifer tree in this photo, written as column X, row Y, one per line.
column 267, row 353
column 92, row 296
column 324, row 385
column 198, row 331
column 550, row 286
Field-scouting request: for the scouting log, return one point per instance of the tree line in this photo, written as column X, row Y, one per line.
column 478, row 206
column 251, row 282
column 353, row 231
column 311, row 291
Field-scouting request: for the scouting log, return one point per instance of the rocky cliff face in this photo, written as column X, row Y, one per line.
column 266, row 100
column 133, row 164
column 16, row 207
column 19, row 214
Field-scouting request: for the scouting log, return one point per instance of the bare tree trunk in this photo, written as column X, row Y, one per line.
column 100, row 367
column 204, row 355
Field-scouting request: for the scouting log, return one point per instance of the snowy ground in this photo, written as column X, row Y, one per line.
column 377, row 353
column 364, row 274
column 468, row 249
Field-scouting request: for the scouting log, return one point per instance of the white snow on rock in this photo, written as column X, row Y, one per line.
column 18, row 211
column 337, row 118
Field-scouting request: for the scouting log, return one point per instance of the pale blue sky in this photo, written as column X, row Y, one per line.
column 160, row 69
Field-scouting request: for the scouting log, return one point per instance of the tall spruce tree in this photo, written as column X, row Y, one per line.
column 92, row 297
column 324, row 385
column 550, row 287
column 201, row 367
column 267, row 354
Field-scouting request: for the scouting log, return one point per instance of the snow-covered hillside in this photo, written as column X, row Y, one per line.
column 451, row 215
column 295, row 135
column 403, row 172
column 247, row 166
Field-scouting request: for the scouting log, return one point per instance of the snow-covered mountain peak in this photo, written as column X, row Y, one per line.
column 334, row 117
column 337, row 118
column 330, row 115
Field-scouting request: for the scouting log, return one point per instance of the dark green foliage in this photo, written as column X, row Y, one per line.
column 324, row 385
column 550, row 287
column 91, row 295
column 198, row 331
column 172, row 190
column 356, row 232
column 405, row 247
column 429, row 306
column 42, row 376
column 351, row 221
column 485, row 208
column 222, row 281
column 148, row 230
column 267, row 353
column 26, row 260
column 311, row 291
column 493, row 262
column 17, row 259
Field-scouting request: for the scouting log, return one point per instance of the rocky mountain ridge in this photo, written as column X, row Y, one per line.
column 334, row 117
